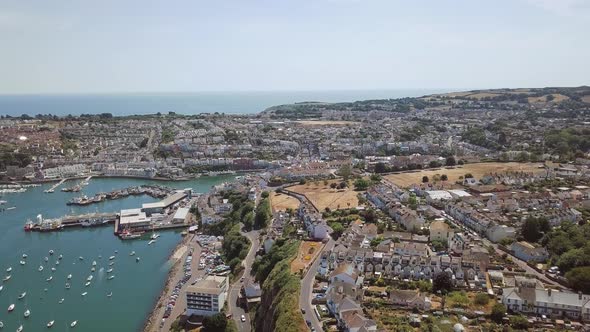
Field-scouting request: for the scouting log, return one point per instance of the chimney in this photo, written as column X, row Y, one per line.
column 580, row 296
column 548, row 291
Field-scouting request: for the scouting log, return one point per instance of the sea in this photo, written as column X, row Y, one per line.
column 136, row 285
column 185, row 103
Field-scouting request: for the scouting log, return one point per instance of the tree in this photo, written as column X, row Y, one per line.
column 361, row 184
column 468, row 175
column 425, row 179
column 442, row 282
column 579, row 278
column 498, row 313
column 345, row 172
column 451, row 161
column 337, row 228
column 333, row 185
column 376, row 178
column 434, row 164
column 216, row 323
column 444, row 177
column 481, row 299
column 325, row 182
column 381, row 168
column 534, row 228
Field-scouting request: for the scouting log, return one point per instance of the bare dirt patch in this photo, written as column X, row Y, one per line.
column 586, row 99
column 323, row 196
column 282, row 202
column 543, row 99
column 477, row 170
column 308, row 250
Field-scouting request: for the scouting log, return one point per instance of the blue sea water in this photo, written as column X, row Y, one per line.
column 184, row 103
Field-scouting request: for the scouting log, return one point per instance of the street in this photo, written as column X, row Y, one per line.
column 307, row 288
column 234, row 291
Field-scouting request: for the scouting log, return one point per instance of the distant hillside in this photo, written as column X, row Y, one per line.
column 521, row 98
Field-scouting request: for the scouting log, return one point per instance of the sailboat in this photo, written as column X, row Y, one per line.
column 20, row 297
column 11, row 307
column 51, row 252
column 27, row 313
column 50, row 324
column 74, row 323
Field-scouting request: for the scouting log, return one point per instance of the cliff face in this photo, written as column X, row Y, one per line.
column 279, row 306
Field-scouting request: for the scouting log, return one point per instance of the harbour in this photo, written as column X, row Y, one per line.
column 142, row 281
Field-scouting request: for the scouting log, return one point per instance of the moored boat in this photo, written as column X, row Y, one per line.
column 11, row 307
column 50, row 324
column 22, row 295
column 74, row 323
column 27, row 313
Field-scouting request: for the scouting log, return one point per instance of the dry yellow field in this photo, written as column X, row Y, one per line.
column 281, row 202
column 308, row 250
column 557, row 98
column 477, row 170
column 586, row 99
column 326, row 123
column 482, row 95
column 323, row 196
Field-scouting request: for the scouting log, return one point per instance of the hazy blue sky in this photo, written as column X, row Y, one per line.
column 62, row 46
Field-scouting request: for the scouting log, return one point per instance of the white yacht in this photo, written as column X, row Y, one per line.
column 111, row 263
column 40, row 268
column 151, row 242
column 20, row 329
column 110, row 294
column 155, row 236
column 109, row 270
column 74, row 323
column 84, row 294
column 27, row 313
column 61, row 301
column 132, row 253
column 89, row 278
column 111, row 258
column 69, row 276
column 81, row 258
column 93, row 269
column 11, row 307
column 60, row 256
column 67, row 286
column 22, row 262
column 93, row 263
column 50, row 324
column 25, row 256
column 49, row 279
column 111, row 277
column 46, row 259
column 22, row 296
column 1, row 288
column 51, row 252
column 8, row 270
column 6, row 278
column 87, row 284
column 53, row 269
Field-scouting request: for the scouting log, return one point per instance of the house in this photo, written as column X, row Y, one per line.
column 440, row 231
column 409, row 298
column 552, row 303
column 410, row 249
column 345, row 273
column 498, row 233
column 528, row 252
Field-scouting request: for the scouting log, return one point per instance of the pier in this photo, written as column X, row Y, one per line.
column 79, row 186
column 52, row 189
column 153, row 191
column 69, row 221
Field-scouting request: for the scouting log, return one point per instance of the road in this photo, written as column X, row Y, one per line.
column 234, row 291
column 307, row 289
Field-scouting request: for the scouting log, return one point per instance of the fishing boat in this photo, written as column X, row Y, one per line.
column 111, row 258
column 22, row 296
column 6, row 278
column 68, row 286
column 51, row 252
column 27, row 313
column 8, row 270
column 49, row 279
column 69, row 276
column 11, row 307
column 74, row 323
column 132, row 253
column 87, row 284
column 22, row 262
column 20, row 329
column 151, row 242
column 89, row 278
column 111, row 277
column 40, row 268
column 84, row 294
column 110, row 294
column 61, row 301
column 50, row 324
column 109, row 270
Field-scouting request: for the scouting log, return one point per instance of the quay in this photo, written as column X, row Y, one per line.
column 52, row 189
column 79, row 186
column 69, row 221
column 153, row 191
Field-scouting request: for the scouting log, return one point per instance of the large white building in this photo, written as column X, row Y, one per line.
column 553, row 303
column 206, row 297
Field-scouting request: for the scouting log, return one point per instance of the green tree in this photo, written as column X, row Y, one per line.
column 451, row 161
column 481, row 299
column 442, row 282
column 215, row 323
column 444, row 177
column 579, row 278
column 361, row 184
column 345, row 171
column 498, row 313
column 425, row 179
column 337, row 228
column 533, row 228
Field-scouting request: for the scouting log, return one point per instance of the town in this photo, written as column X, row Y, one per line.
column 455, row 212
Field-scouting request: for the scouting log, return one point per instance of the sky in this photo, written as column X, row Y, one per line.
column 104, row 46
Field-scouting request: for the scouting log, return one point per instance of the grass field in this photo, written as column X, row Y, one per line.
column 477, row 170
column 556, row 98
column 281, row 202
column 323, row 196
column 308, row 250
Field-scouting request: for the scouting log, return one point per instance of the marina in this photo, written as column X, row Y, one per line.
column 152, row 191
column 141, row 280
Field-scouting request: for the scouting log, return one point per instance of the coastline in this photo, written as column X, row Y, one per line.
column 151, row 324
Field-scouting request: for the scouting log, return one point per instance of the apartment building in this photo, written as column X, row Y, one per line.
column 206, row 297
